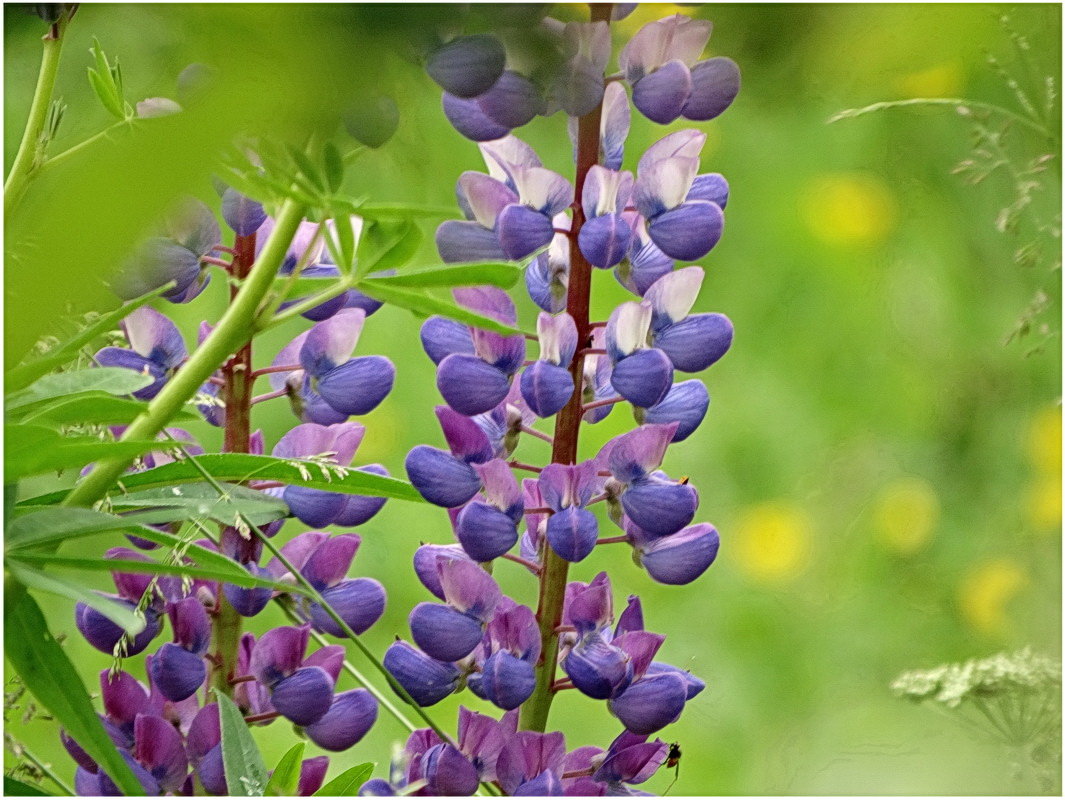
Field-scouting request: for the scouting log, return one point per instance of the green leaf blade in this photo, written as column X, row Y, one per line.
column 241, row 760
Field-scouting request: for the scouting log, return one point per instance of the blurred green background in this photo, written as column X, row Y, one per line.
column 884, row 469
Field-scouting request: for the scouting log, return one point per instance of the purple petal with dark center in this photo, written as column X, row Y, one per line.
column 441, row 478
column 572, row 533
column 176, row 672
column 467, row 439
column 427, row 680
column 683, row 556
column 634, row 764
column 147, row 781
column 155, row 337
column 158, row 748
column 330, row 658
column 359, row 509
column 157, row 262
column 527, row 754
column 485, row 532
column 304, row 696
column 695, row 343
column 448, row 772
column 546, row 784
column 685, row 404
column 588, row 606
column 124, row 697
column 458, row 241
column 689, row 231
column 512, row 101
column 360, row 602
column 605, row 240
column 468, row 588
column 444, row 633
column 313, row 507
column 278, row 653
column 244, row 215
column 441, row 337
column 712, row 186
column 522, row 231
column 660, row 507
column 192, row 628
column 598, row 669
column 103, row 634
column 467, row 66
column 650, row 703
column 505, row 353
column 546, row 388
column 330, row 561
column 469, row 119
column 331, row 342
column 205, row 732
column 469, row 385
column 506, row 680
column 661, row 95
column 637, row 453
column 715, row 84
column 643, row 378
column 350, row 718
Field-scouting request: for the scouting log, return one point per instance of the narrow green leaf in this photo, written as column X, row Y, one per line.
column 105, row 90
column 302, row 286
column 334, row 166
column 387, row 244
column 91, row 408
column 35, row 579
column 347, row 783
column 346, row 242
column 307, row 168
column 286, row 775
column 427, row 304
column 392, row 210
column 24, row 374
column 201, row 500
column 16, row 788
column 47, row 672
column 109, row 380
column 241, row 760
column 240, row 467
column 34, row 449
column 474, row 274
column 58, row 524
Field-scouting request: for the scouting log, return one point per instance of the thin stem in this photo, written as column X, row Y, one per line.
column 532, row 565
column 600, row 403
column 58, row 158
column 593, row 351
column 524, row 466
column 241, row 679
column 221, row 248
column 31, row 148
column 46, row 769
column 535, row 710
column 218, row 262
column 612, row 540
column 538, row 434
column 265, row 322
column 954, row 102
column 233, row 330
column 259, row 398
column 271, row 370
column 559, row 685
column 539, row 510
column 265, row 717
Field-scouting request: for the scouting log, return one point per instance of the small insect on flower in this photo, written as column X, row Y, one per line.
column 673, row 763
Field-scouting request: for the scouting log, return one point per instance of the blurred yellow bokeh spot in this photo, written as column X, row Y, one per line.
column 905, row 514
column 941, row 80
column 772, row 541
column 985, row 592
column 1043, row 443
column 848, row 208
column 1043, row 504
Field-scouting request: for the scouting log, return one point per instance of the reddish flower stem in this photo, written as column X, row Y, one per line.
column 612, row 539
column 524, row 466
column 218, row 262
column 268, row 396
column 600, row 403
column 269, row 715
column 524, row 562
column 535, row 710
column 270, row 370
column 538, row 434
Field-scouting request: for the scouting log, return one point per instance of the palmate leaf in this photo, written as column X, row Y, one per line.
column 347, row 783
column 387, row 244
column 241, row 760
column 24, row 374
column 47, row 672
column 427, row 305
column 110, row 380
column 284, row 780
column 239, row 467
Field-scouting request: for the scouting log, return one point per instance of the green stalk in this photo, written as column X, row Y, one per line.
column 233, row 331
column 30, row 150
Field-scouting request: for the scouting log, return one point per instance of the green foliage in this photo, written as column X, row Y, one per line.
column 47, row 672
column 16, row 788
column 35, row 449
column 286, row 775
column 423, row 304
column 109, row 380
column 347, row 783
column 106, row 82
column 243, row 763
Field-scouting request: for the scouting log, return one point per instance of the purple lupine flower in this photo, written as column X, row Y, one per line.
column 597, row 380
column 348, row 385
column 451, row 631
column 312, row 775
column 668, row 81
column 158, row 748
column 474, row 378
column 523, row 227
column 191, row 233
column 348, row 719
column 596, row 667
column 578, row 87
column 204, row 743
column 613, row 129
column 605, row 236
column 547, row 385
column 302, row 694
column 692, row 341
column 654, row 502
column 685, row 405
column 481, row 738
column 642, row 374
column 104, row 635
column 156, row 349
column 582, row 762
column 646, row 263
column 683, row 225
column 467, row 66
column 651, row 702
column 630, row 759
column 566, row 489
column 426, row 559
column 512, row 101
column 177, row 669
column 678, row 558
column 488, row 528
column 447, row 772
column 531, row 763
column 425, row 679
column 336, row 445
column 324, row 561
column 547, row 276
column 512, row 646
column 242, row 214
column 445, row 478
column 535, row 524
